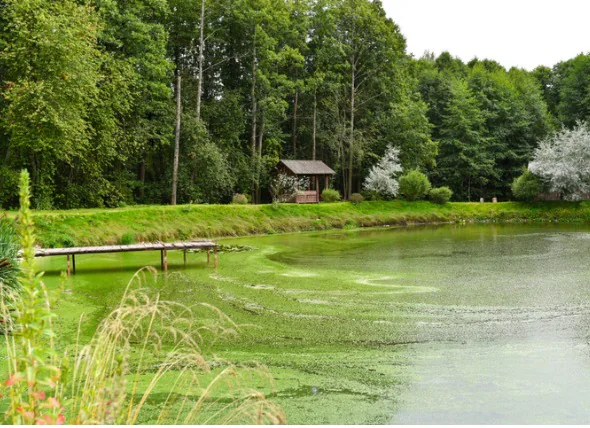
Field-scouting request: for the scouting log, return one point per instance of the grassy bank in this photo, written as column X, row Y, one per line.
column 167, row 223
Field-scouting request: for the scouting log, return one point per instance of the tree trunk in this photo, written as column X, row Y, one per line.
column 142, row 179
column 258, row 166
column 295, row 103
column 254, row 112
column 351, row 143
column 201, row 60
column 176, row 139
column 315, row 112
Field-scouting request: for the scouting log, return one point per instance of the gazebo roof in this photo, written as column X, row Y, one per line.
column 307, row 167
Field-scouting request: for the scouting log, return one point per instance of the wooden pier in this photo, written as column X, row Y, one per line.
column 163, row 247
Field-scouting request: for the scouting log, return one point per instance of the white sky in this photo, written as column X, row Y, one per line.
column 521, row 33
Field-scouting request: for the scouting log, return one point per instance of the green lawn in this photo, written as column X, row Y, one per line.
column 184, row 222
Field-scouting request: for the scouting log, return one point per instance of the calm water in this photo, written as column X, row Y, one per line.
column 452, row 324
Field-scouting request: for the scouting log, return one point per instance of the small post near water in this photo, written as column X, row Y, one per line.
column 216, row 262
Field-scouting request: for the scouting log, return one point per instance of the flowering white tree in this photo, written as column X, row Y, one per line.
column 563, row 161
column 285, row 187
column 382, row 177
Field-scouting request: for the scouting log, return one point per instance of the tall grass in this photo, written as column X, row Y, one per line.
column 9, row 247
column 146, row 351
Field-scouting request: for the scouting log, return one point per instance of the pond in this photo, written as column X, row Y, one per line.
column 452, row 324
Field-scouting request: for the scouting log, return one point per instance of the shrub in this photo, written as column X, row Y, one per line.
column 440, row 195
column 127, row 238
column 330, row 195
column 414, row 185
column 526, row 187
column 356, row 198
column 284, row 187
column 239, row 199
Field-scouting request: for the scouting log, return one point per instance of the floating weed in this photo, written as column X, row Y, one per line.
column 388, row 282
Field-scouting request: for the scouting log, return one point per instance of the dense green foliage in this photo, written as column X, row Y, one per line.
column 527, row 187
column 330, row 195
column 440, row 195
column 414, row 185
column 88, row 101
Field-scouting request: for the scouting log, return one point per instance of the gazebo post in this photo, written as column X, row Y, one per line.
column 317, row 189
column 326, row 181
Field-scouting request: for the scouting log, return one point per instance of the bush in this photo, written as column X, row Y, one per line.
column 285, row 187
column 441, row 195
column 239, row 199
column 356, row 198
column 127, row 238
column 414, row 185
column 330, row 195
column 527, row 187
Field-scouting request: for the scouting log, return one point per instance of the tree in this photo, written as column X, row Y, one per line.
column 574, row 91
column 563, row 162
column 464, row 161
column 51, row 74
column 382, row 178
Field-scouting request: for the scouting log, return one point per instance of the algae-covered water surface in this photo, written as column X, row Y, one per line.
column 449, row 324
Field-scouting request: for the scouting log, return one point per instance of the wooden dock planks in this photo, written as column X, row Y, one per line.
column 163, row 247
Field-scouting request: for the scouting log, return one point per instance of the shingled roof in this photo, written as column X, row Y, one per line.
column 307, row 167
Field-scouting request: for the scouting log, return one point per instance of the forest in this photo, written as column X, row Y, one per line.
column 110, row 103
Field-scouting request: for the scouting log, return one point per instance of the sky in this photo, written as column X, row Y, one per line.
column 519, row 33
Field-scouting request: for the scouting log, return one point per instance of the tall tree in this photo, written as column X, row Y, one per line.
column 51, row 65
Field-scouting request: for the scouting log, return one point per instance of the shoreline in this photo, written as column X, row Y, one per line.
column 188, row 222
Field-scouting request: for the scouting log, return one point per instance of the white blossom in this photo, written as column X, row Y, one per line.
column 285, row 187
column 382, row 177
column 563, row 162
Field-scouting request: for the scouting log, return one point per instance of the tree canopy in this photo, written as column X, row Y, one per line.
column 97, row 97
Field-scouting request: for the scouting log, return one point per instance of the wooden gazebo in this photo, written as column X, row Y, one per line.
column 316, row 171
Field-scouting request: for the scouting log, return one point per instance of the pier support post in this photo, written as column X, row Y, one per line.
column 74, row 264
column 208, row 256
column 184, row 255
column 69, row 267
column 215, row 259
column 165, row 256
